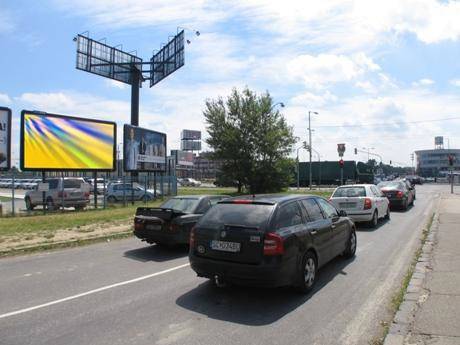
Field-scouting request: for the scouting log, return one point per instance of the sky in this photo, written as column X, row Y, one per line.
column 382, row 75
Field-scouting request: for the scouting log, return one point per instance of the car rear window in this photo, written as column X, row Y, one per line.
column 72, row 183
column 391, row 184
column 250, row 215
column 187, row 205
column 349, row 192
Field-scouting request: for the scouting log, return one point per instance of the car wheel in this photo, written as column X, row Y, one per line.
column 111, row 199
column 49, row 204
column 351, row 246
column 29, row 205
column 387, row 215
column 307, row 273
column 146, row 198
column 375, row 220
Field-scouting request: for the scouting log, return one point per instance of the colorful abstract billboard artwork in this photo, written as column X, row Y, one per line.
column 57, row 142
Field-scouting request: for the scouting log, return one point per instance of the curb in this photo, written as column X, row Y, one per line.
column 415, row 294
column 63, row 244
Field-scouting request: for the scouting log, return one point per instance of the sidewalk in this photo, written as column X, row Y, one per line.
column 432, row 301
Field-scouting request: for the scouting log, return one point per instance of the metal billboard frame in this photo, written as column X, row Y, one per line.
column 40, row 113
column 8, row 133
column 168, row 59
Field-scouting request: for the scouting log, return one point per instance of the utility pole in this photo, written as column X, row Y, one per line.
column 412, row 159
column 309, row 147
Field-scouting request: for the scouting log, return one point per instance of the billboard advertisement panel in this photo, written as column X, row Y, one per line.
column 184, row 158
column 5, row 138
column 188, row 134
column 143, row 149
column 59, row 142
column 439, row 140
column 187, row 145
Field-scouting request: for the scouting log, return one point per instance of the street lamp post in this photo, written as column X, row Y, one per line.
column 309, row 147
column 298, row 168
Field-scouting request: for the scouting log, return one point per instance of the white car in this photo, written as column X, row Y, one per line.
column 362, row 202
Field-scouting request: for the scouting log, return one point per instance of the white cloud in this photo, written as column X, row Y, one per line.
column 423, row 82
column 455, row 82
column 4, row 99
column 326, row 69
column 116, row 84
column 6, row 22
column 308, row 99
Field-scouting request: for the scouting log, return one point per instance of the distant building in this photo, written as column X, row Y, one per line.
column 435, row 162
column 205, row 166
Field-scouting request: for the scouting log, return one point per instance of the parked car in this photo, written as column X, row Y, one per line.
column 270, row 240
column 67, row 192
column 410, row 187
column 171, row 222
column 125, row 191
column 189, row 182
column 362, row 202
column 397, row 193
column 99, row 185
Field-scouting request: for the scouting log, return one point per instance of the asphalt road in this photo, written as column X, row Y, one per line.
column 125, row 292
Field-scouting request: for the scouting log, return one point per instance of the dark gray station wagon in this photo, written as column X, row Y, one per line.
column 270, row 240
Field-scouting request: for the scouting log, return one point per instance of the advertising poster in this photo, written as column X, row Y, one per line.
column 5, row 138
column 143, row 149
column 58, row 142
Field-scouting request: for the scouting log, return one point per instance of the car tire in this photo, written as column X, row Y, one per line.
column 50, row 204
column 350, row 251
column 375, row 220
column 79, row 207
column 29, row 205
column 307, row 273
column 387, row 215
column 146, row 198
column 111, row 199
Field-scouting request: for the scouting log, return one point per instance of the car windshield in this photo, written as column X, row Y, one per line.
column 251, row 215
column 390, row 184
column 186, row 205
column 349, row 192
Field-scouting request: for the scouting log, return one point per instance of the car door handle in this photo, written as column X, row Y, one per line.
column 314, row 232
column 333, row 226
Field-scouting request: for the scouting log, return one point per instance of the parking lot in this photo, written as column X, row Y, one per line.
column 128, row 292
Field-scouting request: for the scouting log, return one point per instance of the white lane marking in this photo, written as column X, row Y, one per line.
column 21, row 311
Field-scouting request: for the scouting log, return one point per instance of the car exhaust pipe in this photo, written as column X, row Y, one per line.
column 219, row 281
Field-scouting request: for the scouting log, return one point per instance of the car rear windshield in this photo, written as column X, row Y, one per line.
column 186, row 205
column 72, row 183
column 250, row 215
column 391, row 185
column 349, row 192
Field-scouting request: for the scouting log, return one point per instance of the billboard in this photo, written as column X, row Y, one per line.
column 439, row 141
column 184, row 158
column 187, row 145
column 5, row 138
column 143, row 149
column 59, row 142
column 188, row 134
column 169, row 59
column 104, row 60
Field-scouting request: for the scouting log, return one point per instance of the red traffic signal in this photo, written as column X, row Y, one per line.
column 341, row 163
column 451, row 160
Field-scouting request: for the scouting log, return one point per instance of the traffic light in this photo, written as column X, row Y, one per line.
column 451, row 160
column 341, row 163
column 356, row 151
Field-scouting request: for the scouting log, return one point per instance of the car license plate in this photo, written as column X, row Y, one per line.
column 155, row 227
column 224, row 246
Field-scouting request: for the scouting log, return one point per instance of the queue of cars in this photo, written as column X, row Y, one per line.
column 269, row 240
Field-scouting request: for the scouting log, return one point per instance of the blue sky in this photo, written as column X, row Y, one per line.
column 375, row 67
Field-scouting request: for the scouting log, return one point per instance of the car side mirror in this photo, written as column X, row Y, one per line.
column 342, row 213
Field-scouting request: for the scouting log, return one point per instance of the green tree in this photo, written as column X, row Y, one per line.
column 252, row 140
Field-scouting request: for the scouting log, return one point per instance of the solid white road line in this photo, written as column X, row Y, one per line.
column 22, row 311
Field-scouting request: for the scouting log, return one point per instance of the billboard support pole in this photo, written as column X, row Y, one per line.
column 12, row 195
column 44, row 193
column 95, row 189
column 135, row 109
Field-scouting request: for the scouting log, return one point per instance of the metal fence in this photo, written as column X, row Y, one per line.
column 108, row 191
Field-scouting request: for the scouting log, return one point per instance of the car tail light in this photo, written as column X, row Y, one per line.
column 87, row 195
column 62, row 194
column 399, row 194
column 192, row 238
column 138, row 225
column 367, row 203
column 173, row 227
column 273, row 244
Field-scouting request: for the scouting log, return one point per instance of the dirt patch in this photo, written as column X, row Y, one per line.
column 78, row 233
